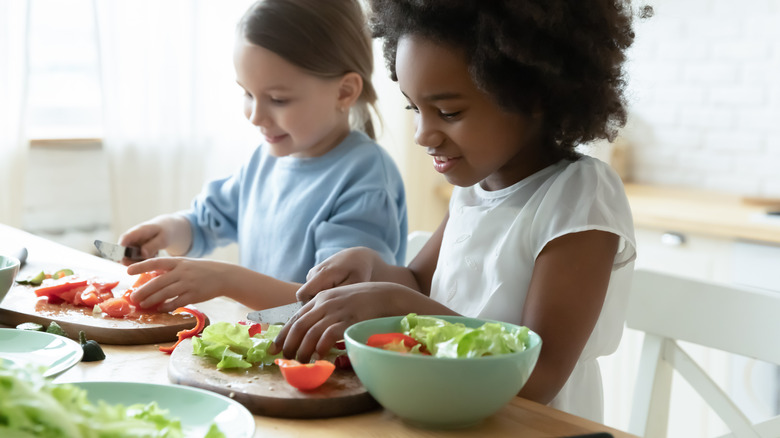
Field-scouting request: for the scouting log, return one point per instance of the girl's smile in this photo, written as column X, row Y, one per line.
column 444, row 164
column 297, row 112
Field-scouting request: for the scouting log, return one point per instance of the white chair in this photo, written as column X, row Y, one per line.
column 730, row 318
column 414, row 243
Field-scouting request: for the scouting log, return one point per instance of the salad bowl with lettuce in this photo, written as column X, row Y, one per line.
column 442, row 372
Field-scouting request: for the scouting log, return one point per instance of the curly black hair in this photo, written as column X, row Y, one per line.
column 564, row 57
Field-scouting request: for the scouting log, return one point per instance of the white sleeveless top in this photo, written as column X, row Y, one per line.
column 491, row 242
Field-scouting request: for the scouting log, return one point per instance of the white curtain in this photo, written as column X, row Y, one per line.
column 13, row 91
column 173, row 115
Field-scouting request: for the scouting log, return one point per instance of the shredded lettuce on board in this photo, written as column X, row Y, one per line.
column 231, row 345
column 34, row 407
column 455, row 340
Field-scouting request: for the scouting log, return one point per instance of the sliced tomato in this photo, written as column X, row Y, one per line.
column 92, row 296
column 126, row 296
column 116, row 307
column 144, row 278
column 305, row 377
column 392, row 341
column 71, row 295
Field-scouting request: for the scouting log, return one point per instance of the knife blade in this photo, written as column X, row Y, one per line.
column 117, row 253
column 275, row 315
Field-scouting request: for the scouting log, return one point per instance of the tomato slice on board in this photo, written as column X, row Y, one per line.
column 144, row 278
column 305, row 377
column 116, row 307
column 72, row 295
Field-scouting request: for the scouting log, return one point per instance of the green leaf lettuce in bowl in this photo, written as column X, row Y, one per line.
column 475, row 368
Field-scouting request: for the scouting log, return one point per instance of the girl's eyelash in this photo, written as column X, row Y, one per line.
column 449, row 116
column 412, row 107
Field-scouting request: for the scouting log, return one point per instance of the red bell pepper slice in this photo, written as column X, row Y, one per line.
column 305, row 377
column 60, row 286
column 254, row 328
column 200, row 323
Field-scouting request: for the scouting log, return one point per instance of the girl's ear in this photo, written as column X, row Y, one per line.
column 350, row 88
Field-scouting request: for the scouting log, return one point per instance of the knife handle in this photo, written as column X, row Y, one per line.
column 21, row 254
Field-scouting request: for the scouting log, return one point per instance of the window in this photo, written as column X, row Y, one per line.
column 64, row 100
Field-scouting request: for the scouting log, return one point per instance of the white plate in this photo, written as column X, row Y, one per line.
column 195, row 408
column 25, row 348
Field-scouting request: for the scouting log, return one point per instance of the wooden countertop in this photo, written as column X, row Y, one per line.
column 144, row 363
column 704, row 212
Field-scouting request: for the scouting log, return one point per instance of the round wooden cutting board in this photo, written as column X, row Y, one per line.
column 265, row 392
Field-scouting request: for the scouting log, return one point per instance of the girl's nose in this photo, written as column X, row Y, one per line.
column 256, row 115
column 427, row 134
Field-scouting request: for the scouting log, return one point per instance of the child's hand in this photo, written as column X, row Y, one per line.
column 184, row 281
column 171, row 231
column 322, row 321
column 147, row 236
column 349, row 266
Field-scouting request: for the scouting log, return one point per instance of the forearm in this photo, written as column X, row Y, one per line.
column 256, row 290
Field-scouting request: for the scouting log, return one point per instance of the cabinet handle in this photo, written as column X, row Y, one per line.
column 672, row 239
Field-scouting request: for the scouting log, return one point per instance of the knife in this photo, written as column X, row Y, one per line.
column 117, row 253
column 275, row 315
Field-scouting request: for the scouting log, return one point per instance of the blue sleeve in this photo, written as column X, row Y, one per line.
column 373, row 219
column 214, row 216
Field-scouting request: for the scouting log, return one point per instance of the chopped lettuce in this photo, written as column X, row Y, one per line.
column 34, row 407
column 232, row 347
column 445, row 339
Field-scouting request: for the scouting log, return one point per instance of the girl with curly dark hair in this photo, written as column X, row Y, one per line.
column 536, row 234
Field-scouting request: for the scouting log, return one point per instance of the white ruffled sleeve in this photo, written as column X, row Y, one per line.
column 587, row 195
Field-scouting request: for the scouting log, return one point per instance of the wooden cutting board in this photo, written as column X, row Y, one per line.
column 22, row 305
column 265, row 392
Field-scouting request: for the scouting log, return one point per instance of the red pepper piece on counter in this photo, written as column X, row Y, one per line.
column 305, row 377
column 200, row 323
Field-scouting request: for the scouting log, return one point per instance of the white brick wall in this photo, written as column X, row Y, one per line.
column 704, row 92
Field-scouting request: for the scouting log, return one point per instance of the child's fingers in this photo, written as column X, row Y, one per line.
column 165, row 264
column 325, row 278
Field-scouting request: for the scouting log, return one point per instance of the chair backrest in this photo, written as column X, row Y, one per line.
column 415, row 242
column 735, row 319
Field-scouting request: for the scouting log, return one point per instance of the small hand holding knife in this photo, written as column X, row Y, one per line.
column 118, row 253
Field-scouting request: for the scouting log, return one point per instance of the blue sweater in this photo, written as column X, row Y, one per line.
column 289, row 214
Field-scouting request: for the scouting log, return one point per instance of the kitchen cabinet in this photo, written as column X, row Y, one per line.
column 686, row 254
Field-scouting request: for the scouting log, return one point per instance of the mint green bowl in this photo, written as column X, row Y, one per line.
column 433, row 392
column 9, row 267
